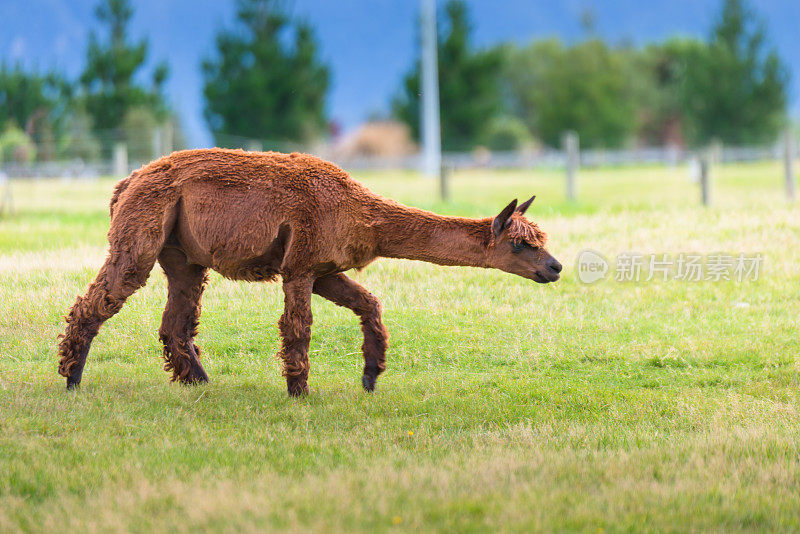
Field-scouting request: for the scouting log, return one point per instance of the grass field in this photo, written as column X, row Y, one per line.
column 507, row 405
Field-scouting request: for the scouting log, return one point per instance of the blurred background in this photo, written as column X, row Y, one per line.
column 98, row 87
column 654, row 133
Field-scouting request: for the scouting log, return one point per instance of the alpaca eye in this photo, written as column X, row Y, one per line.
column 516, row 248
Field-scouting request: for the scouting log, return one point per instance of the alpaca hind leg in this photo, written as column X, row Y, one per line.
column 295, row 327
column 343, row 291
column 121, row 275
column 181, row 317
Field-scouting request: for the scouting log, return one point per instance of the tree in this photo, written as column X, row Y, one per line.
column 259, row 87
column 108, row 81
column 469, row 93
column 660, row 89
column 16, row 145
column 39, row 104
column 584, row 88
column 736, row 90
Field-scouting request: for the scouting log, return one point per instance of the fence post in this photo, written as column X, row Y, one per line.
column 168, row 138
column 571, row 147
column 716, row 152
column 120, row 160
column 444, row 181
column 673, row 155
column 789, row 155
column 254, row 145
column 7, row 205
column 705, row 177
column 158, row 143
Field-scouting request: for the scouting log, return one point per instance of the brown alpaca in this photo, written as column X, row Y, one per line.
column 254, row 216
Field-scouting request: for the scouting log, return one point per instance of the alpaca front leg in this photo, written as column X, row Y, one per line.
column 343, row 291
column 376, row 340
column 295, row 327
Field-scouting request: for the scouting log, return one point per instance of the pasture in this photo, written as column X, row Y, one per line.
column 506, row 405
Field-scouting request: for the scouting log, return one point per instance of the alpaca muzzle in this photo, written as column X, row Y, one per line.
column 551, row 272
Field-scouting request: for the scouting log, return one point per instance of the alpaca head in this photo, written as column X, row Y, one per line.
column 518, row 246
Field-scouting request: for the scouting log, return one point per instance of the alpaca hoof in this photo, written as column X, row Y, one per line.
column 194, row 380
column 368, row 382
column 297, row 389
column 197, row 375
column 74, row 380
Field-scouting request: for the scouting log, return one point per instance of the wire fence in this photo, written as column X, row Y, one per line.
column 116, row 159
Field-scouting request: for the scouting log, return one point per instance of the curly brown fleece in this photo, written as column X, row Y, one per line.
column 256, row 216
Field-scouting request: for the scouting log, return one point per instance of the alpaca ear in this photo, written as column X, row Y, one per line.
column 522, row 208
column 502, row 221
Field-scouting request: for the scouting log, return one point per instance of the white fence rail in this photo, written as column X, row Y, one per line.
column 545, row 158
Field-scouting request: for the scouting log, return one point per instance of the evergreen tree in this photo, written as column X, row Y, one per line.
column 736, row 90
column 110, row 91
column 469, row 92
column 39, row 104
column 257, row 86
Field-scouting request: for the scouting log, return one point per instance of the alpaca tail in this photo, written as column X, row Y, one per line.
column 143, row 205
column 154, row 172
column 120, row 188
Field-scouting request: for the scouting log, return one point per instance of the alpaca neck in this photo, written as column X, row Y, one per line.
column 415, row 234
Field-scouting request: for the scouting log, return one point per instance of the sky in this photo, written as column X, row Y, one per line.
column 369, row 44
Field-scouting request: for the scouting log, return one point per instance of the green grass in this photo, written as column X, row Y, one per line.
column 506, row 405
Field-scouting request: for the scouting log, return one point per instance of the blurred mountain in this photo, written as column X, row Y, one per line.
column 369, row 43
